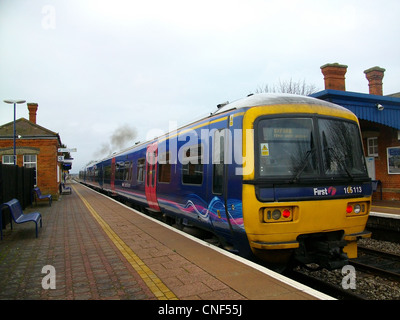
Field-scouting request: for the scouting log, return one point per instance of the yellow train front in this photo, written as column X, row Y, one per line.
column 306, row 191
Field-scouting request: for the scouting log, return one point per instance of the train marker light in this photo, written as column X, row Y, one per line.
column 286, row 213
column 272, row 215
column 357, row 209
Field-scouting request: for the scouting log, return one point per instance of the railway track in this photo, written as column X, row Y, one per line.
column 378, row 262
column 324, row 286
column 374, row 269
column 377, row 277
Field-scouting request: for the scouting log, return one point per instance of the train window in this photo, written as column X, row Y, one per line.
column 153, row 179
column 128, row 170
column 140, row 170
column 192, row 165
column 218, row 161
column 123, row 170
column 301, row 148
column 107, row 172
column 151, row 158
column 286, row 147
column 164, row 168
column 342, row 151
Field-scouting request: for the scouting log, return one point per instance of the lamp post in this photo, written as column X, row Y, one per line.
column 14, row 102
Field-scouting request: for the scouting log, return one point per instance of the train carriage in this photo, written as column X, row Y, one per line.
column 277, row 177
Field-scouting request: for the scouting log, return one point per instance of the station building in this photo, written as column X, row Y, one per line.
column 36, row 147
column 379, row 118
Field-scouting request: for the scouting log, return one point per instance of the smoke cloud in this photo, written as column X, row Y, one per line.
column 122, row 137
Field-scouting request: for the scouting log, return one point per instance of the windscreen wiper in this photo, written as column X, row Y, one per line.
column 303, row 165
column 341, row 161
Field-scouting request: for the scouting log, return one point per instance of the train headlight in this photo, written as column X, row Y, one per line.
column 357, row 208
column 277, row 214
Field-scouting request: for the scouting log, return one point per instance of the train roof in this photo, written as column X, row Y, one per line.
column 266, row 99
column 252, row 100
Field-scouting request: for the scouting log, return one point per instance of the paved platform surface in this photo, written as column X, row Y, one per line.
column 386, row 206
column 91, row 247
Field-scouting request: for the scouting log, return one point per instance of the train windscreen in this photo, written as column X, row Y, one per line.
column 309, row 147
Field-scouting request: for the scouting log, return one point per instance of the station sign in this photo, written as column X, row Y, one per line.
column 67, row 166
column 62, row 159
column 66, row 149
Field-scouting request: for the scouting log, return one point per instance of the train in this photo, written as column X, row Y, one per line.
column 277, row 178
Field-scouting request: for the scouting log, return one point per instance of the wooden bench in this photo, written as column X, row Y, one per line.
column 18, row 216
column 40, row 196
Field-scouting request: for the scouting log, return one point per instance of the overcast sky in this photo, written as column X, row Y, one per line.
column 94, row 66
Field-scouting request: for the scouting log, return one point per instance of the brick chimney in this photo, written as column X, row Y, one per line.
column 374, row 76
column 334, row 76
column 32, row 107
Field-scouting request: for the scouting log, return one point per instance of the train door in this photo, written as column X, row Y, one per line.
column 112, row 182
column 151, row 176
column 100, row 176
column 218, row 185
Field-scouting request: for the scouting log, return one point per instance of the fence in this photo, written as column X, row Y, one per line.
column 15, row 182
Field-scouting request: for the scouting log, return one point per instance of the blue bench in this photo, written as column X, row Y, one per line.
column 65, row 189
column 18, row 216
column 40, row 196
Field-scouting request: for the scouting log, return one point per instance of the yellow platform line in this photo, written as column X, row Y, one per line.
column 159, row 289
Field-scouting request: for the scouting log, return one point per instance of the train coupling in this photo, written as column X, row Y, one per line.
column 323, row 249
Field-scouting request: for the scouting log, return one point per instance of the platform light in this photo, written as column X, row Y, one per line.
column 14, row 102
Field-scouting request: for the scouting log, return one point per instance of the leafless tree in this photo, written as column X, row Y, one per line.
column 295, row 87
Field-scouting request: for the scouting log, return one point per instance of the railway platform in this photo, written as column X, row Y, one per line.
column 384, row 220
column 94, row 248
column 386, row 206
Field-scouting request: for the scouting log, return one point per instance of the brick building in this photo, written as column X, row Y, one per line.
column 36, row 147
column 379, row 118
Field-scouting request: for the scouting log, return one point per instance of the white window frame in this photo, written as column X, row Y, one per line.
column 372, row 145
column 9, row 157
column 31, row 164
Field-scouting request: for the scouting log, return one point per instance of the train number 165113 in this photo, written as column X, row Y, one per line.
column 352, row 189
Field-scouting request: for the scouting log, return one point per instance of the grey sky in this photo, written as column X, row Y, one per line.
column 96, row 65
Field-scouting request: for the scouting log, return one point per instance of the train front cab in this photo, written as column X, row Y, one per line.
column 306, row 191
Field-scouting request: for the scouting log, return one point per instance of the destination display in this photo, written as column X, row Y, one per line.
column 271, row 133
